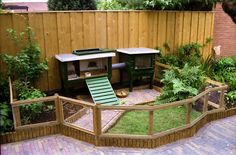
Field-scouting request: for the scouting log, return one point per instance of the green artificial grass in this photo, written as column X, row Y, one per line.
column 136, row 122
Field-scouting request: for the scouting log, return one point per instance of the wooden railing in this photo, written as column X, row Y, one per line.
column 97, row 136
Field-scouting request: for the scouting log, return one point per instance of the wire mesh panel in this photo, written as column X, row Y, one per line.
column 38, row 112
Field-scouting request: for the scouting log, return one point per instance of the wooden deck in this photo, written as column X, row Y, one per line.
column 110, row 116
column 216, row 138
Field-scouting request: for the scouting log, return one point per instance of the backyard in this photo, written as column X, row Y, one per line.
column 130, row 74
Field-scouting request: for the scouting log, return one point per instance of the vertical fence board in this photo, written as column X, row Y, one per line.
column 101, row 29
column 208, row 32
column 36, row 22
column 120, row 24
column 170, row 32
column 51, row 44
column 64, row 32
column 8, row 46
column 178, row 29
column 162, row 29
column 201, row 28
column 133, row 29
column 143, row 29
column 77, row 36
column 112, row 39
column 126, row 29
column 155, row 29
column 89, row 30
column 150, row 28
column 194, row 27
column 186, row 27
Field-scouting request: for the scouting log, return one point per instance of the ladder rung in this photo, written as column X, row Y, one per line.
column 99, row 88
column 95, row 82
column 104, row 97
column 103, row 94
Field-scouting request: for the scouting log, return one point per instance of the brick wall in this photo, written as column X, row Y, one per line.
column 224, row 32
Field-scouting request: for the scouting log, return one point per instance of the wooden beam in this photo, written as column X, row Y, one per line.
column 76, row 115
column 150, row 123
column 213, row 104
column 76, row 101
column 189, row 111
column 222, row 98
column 10, row 88
column 97, row 123
column 42, row 99
column 205, row 103
column 16, row 116
column 29, row 126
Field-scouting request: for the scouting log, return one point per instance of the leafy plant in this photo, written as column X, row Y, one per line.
column 110, row 5
column 30, row 111
column 4, row 91
column 26, row 65
column 180, row 84
column 231, row 98
column 24, row 69
column 71, row 5
column 194, row 5
column 5, row 117
column 225, row 71
column 188, row 53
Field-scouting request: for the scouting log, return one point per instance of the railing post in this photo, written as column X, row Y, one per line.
column 205, row 103
column 189, row 110
column 59, row 109
column 97, row 123
column 16, row 116
column 150, row 122
column 222, row 98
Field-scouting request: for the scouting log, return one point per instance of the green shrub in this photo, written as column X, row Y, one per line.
column 188, row 53
column 231, row 98
column 24, row 69
column 194, row 5
column 30, row 111
column 180, row 84
column 110, row 5
column 26, row 65
column 4, row 91
column 225, row 71
column 229, row 6
column 5, row 117
column 71, row 5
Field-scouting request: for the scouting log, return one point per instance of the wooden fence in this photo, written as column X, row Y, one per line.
column 100, row 138
column 62, row 32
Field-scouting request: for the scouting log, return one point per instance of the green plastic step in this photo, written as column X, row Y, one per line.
column 101, row 91
column 102, row 94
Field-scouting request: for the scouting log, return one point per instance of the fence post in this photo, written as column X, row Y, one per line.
column 97, row 123
column 189, row 110
column 222, row 98
column 205, row 103
column 59, row 109
column 150, row 123
column 16, row 116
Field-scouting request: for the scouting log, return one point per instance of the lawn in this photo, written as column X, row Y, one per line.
column 136, row 122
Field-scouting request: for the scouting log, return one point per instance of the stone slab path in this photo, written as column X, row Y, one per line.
column 110, row 116
column 216, row 138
